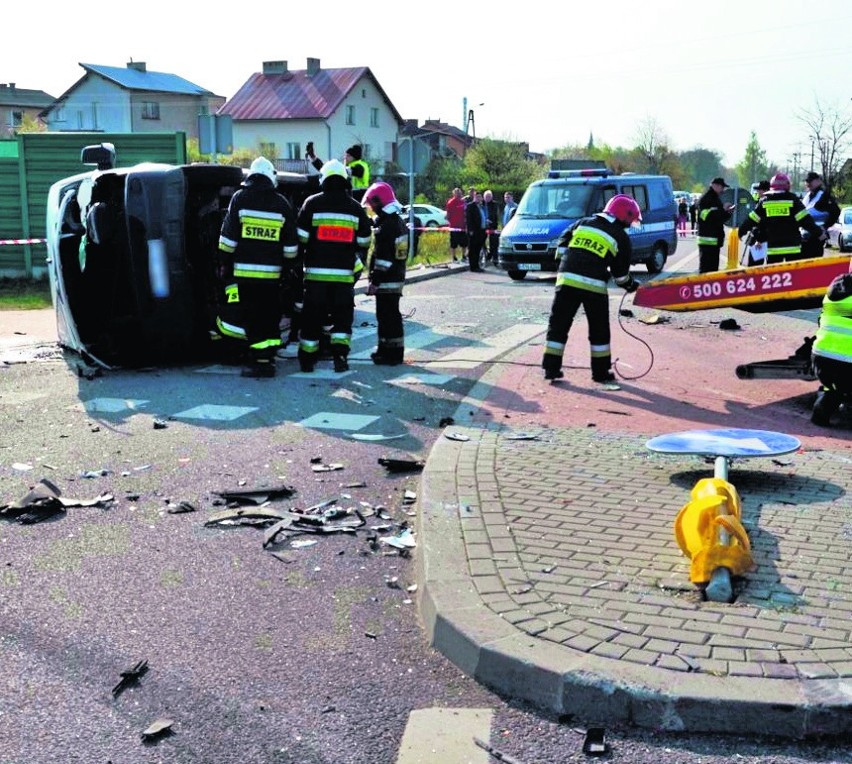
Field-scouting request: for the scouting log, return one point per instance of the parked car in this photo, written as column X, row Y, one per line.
column 840, row 234
column 429, row 215
column 133, row 257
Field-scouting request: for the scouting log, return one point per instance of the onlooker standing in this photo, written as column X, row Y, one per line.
column 492, row 215
column 476, row 220
column 509, row 207
column 693, row 214
column 712, row 216
column 457, row 223
column 824, row 210
column 682, row 217
column 359, row 171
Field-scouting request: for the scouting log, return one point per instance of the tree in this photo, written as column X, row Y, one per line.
column 754, row 166
column 30, row 124
column 829, row 128
column 699, row 166
column 501, row 165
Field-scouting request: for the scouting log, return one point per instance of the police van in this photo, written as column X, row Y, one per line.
column 550, row 206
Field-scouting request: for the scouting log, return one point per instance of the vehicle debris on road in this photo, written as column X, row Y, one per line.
column 401, row 465
column 130, row 677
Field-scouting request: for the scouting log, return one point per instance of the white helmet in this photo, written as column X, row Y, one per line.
column 331, row 168
column 262, row 166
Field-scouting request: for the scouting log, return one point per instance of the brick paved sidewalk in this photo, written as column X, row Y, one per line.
column 550, row 572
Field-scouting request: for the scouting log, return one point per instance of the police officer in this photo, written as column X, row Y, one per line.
column 359, row 171
column 387, row 271
column 334, row 233
column 832, row 350
column 824, row 210
column 589, row 251
column 776, row 220
column 712, row 216
column 257, row 242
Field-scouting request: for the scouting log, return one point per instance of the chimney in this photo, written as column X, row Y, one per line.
column 275, row 67
column 313, row 66
column 139, row 66
column 12, row 85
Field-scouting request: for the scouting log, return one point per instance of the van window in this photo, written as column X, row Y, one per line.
column 552, row 200
column 639, row 193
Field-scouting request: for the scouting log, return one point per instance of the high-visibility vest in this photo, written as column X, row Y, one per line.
column 364, row 180
column 834, row 336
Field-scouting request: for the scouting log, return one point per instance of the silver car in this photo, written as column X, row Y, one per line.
column 840, row 234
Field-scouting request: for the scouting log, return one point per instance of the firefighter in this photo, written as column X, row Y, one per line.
column 777, row 219
column 832, row 350
column 257, row 242
column 589, row 251
column 387, row 271
column 359, row 171
column 334, row 234
column 824, row 210
column 712, row 216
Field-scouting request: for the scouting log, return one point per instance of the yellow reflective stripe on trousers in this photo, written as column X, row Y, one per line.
column 581, row 282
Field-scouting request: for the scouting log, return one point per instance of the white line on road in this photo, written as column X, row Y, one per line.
column 445, row 735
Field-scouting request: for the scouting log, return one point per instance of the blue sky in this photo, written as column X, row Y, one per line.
column 708, row 74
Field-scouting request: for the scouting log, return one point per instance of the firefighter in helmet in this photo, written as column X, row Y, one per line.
column 257, row 243
column 589, row 251
column 832, row 350
column 776, row 219
column 334, row 234
column 387, row 271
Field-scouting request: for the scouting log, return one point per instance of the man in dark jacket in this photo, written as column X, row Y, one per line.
column 823, row 209
column 492, row 218
column 712, row 216
column 387, row 271
column 334, row 234
column 589, row 251
column 777, row 219
column 258, row 241
column 476, row 220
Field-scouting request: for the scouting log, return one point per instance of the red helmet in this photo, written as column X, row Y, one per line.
column 383, row 194
column 624, row 209
column 780, row 182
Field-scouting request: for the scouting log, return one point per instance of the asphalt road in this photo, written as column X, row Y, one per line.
column 285, row 653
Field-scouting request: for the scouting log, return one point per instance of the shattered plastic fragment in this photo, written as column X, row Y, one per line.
column 326, row 467
column 130, row 676
column 179, row 508
column 522, row 436
column 403, row 540
column 299, row 543
column 595, row 743
column 401, row 465
column 456, row 436
column 21, row 467
column 156, row 729
column 251, row 515
column 376, row 437
column 257, row 496
column 409, row 497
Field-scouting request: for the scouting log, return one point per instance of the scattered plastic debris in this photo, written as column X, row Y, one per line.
column 258, row 495
column 326, row 467
column 157, row 729
column 376, row 437
column 45, row 500
column 91, row 474
column 300, row 543
column 456, row 436
column 447, row 421
column 595, row 742
column 130, row 677
column 22, row 467
column 179, row 508
column 521, row 436
column 401, row 465
column 403, row 540
column 495, row 754
column 159, row 424
column 409, row 497
column 729, row 325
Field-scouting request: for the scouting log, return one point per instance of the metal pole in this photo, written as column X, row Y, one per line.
column 410, row 197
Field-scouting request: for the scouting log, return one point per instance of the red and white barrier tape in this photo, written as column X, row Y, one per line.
column 22, row 241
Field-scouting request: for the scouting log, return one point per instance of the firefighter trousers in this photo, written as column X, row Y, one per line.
column 261, row 309
column 566, row 303
column 324, row 300
column 390, row 329
column 708, row 258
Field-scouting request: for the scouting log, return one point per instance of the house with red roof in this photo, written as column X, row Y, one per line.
column 279, row 110
column 130, row 99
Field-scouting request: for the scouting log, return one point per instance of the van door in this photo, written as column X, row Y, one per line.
column 641, row 238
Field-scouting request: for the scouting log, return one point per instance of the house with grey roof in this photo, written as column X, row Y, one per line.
column 278, row 111
column 130, row 99
column 18, row 103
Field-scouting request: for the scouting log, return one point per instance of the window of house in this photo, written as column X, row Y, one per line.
column 16, row 118
column 294, row 151
column 150, row 110
column 80, row 122
column 363, row 92
column 94, row 116
column 374, row 117
column 59, row 114
column 350, row 115
column 268, row 150
column 367, row 151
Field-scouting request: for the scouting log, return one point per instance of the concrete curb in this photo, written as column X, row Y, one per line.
column 570, row 682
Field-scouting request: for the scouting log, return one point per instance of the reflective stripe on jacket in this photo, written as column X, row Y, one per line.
column 834, row 336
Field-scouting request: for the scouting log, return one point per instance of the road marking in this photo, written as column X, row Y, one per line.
column 421, row 379
column 328, row 420
column 490, row 347
column 214, row 413
column 112, row 405
column 445, row 736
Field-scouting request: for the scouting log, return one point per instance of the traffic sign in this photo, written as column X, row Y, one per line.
column 731, row 443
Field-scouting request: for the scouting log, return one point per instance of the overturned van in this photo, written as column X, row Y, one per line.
column 133, row 257
column 550, row 206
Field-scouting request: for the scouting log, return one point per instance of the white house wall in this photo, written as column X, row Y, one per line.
column 333, row 137
column 95, row 104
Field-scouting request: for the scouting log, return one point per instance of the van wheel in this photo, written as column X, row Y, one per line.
column 657, row 261
column 517, row 275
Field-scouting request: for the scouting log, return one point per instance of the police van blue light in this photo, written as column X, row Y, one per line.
column 550, row 206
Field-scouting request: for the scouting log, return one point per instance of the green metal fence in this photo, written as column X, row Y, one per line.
column 32, row 162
